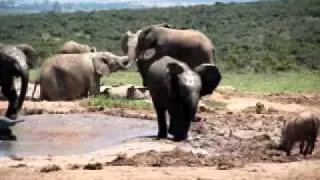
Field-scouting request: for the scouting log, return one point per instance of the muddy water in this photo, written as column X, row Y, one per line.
column 63, row 134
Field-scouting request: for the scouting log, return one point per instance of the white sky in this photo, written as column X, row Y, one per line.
column 147, row 0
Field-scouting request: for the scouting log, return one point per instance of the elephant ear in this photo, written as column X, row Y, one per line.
column 210, row 78
column 100, row 66
column 30, row 53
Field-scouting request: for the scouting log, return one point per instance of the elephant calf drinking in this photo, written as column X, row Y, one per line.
column 175, row 88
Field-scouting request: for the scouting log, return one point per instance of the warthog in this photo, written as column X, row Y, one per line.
column 303, row 128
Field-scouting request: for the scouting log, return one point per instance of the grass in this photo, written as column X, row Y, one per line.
column 117, row 102
column 122, row 77
column 212, row 103
column 278, row 82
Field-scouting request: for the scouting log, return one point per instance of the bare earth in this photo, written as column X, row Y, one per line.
column 232, row 142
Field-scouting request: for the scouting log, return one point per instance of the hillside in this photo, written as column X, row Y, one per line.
column 259, row 37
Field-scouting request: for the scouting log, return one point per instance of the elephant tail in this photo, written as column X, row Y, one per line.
column 24, row 87
column 36, row 83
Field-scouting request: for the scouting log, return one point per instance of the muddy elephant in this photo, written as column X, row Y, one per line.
column 72, row 76
column 15, row 61
column 176, row 88
column 189, row 46
column 73, row 47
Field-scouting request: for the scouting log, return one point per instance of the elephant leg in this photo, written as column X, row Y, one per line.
column 289, row 146
column 173, row 126
column 178, row 122
column 310, row 147
column 11, row 94
column 302, row 147
column 162, row 124
column 140, row 67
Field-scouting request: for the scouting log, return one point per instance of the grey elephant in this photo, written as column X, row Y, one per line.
column 130, row 40
column 176, row 88
column 15, row 61
column 189, row 46
column 72, row 76
column 73, row 47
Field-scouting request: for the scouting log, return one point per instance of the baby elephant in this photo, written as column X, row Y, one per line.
column 176, row 88
column 304, row 128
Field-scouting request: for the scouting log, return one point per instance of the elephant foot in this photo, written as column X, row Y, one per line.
column 7, row 135
column 12, row 116
column 180, row 137
column 162, row 135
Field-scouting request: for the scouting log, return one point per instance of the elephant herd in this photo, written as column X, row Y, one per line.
column 175, row 65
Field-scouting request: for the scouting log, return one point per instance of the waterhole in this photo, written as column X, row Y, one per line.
column 63, row 134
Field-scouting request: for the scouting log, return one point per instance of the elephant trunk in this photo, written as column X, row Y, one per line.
column 133, row 50
column 122, row 60
column 24, row 88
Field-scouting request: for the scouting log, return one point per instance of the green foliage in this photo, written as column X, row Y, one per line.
column 263, row 36
column 116, row 102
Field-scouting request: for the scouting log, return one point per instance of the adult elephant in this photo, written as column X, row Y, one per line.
column 129, row 39
column 73, row 47
column 72, row 76
column 15, row 61
column 189, row 46
column 176, row 88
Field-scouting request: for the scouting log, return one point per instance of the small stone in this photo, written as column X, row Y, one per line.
column 73, row 166
column 50, row 168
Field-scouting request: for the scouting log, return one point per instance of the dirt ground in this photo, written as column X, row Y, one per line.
column 231, row 142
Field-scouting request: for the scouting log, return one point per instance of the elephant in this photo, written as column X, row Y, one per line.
column 73, row 47
column 129, row 39
column 176, row 88
column 15, row 61
column 189, row 46
column 72, row 76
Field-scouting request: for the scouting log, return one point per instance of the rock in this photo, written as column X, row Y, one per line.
column 73, row 166
column 105, row 89
column 260, row 109
column 93, row 166
column 125, row 91
column 50, row 168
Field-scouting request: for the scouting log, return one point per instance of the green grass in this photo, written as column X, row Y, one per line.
column 122, row 77
column 116, row 102
column 277, row 82
column 212, row 103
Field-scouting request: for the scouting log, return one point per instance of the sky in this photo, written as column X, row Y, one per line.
column 137, row 1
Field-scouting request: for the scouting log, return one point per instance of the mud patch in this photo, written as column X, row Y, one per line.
column 176, row 157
